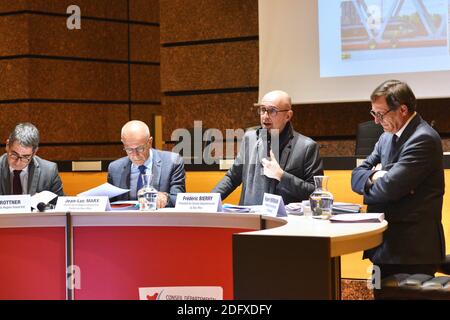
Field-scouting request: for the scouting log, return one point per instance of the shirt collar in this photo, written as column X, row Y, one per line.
column 24, row 170
column 399, row 132
column 148, row 163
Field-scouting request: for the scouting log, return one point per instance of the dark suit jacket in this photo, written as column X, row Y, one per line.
column 168, row 174
column 42, row 175
column 410, row 194
column 299, row 159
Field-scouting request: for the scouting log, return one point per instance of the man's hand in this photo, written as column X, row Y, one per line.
column 378, row 167
column 161, row 200
column 377, row 174
column 271, row 167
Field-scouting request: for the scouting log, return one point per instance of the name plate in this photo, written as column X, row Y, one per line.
column 181, row 293
column 83, row 204
column 203, row 202
column 15, row 204
column 273, row 205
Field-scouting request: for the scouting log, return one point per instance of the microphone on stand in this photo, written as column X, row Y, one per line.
column 42, row 207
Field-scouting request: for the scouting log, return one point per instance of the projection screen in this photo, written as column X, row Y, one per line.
column 340, row 50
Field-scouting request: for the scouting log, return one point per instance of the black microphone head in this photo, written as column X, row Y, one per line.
column 41, row 206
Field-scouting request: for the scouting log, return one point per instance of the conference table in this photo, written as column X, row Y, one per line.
column 110, row 255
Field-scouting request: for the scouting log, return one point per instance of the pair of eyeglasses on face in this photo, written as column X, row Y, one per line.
column 139, row 149
column 271, row 111
column 379, row 115
column 25, row 158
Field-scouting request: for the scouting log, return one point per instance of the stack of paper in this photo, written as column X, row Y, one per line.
column 105, row 189
column 232, row 208
column 358, row 217
column 344, row 207
column 294, row 208
column 125, row 205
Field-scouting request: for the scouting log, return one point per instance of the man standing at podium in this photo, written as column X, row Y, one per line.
column 274, row 158
column 166, row 167
column 22, row 172
column 404, row 178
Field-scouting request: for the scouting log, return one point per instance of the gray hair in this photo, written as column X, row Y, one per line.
column 26, row 134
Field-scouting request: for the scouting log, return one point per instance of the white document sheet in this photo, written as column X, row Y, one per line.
column 105, row 189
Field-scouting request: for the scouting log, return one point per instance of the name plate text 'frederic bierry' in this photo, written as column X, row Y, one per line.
column 203, row 202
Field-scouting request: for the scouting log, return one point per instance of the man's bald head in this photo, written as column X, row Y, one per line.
column 281, row 102
column 278, row 98
column 135, row 128
column 137, row 141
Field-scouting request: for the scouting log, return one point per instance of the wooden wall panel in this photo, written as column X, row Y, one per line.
column 212, row 66
column 68, row 122
column 209, row 63
column 218, row 111
column 330, row 119
column 78, row 86
column 145, row 10
column 195, row 20
column 16, row 113
column 96, row 39
column 60, row 79
column 81, row 152
column 145, row 83
column 110, row 9
column 144, row 43
column 14, row 81
column 14, row 35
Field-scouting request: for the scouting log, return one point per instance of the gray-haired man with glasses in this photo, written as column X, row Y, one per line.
column 404, row 178
column 274, row 158
column 22, row 172
column 167, row 168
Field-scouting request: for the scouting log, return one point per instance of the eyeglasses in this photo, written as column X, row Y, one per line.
column 379, row 115
column 271, row 112
column 16, row 157
column 139, row 149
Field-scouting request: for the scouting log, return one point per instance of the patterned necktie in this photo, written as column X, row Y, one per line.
column 17, row 185
column 142, row 170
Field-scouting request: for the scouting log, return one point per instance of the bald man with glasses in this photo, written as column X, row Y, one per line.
column 22, row 171
column 167, row 168
column 274, row 158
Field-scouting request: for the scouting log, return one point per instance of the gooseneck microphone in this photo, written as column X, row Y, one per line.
column 42, row 207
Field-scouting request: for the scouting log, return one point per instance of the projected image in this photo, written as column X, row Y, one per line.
column 370, row 37
column 383, row 25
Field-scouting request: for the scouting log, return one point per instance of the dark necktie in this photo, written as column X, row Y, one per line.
column 17, row 185
column 393, row 147
column 142, row 170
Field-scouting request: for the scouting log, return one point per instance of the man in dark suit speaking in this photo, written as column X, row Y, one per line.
column 22, row 172
column 166, row 167
column 274, row 158
column 404, row 178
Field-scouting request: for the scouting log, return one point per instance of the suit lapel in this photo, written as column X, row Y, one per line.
column 125, row 177
column 156, row 169
column 6, row 180
column 409, row 130
column 34, row 171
